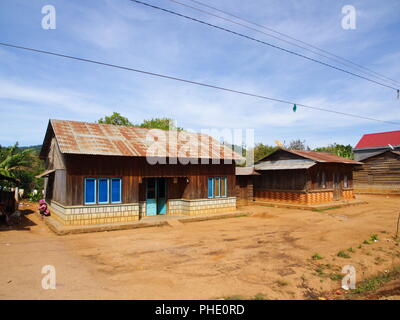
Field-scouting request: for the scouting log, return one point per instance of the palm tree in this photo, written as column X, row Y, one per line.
column 13, row 161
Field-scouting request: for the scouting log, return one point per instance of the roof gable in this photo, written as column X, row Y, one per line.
column 381, row 139
column 75, row 137
column 282, row 154
column 396, row 153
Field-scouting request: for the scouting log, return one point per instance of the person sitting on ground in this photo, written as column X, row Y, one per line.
column 43, row 209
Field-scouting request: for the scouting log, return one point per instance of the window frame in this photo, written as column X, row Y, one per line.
column 95, row 191
column 221, row 179
column 212, row 187
column 345, row 181
column 120, row 190
column 108, row 191
column 219, row 187
column 322, row 182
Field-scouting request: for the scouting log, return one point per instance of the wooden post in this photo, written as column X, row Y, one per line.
column 397, row 230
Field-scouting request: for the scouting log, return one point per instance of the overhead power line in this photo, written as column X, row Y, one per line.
column 203, row 84
column 331, row 55
column 265, row 43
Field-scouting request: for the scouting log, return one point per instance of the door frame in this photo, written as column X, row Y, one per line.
column 156, row 199
column 337, row 194
column 165, row 209
column 147, row 200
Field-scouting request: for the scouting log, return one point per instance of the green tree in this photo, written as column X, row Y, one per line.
column 262, row 150
column 13, row 160
column 23, row 164
column 160, row 123
column 153, row 123
column 345, row 151
column 297, row 145
column 116, row 119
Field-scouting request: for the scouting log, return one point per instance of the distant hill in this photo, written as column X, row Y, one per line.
column 36, row 148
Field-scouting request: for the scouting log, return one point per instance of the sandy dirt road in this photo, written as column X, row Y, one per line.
column 267, row 254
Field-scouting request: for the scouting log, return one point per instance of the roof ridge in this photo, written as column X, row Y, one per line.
column 110, row 124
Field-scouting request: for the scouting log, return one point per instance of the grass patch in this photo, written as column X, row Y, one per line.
column 320, row 271
column 336, row 276
column 374, row 283
column 350, row 250
column 316, row 256
column 343, row 254
column 373, row 238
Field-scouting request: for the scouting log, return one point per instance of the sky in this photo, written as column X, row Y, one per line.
column 35, row 88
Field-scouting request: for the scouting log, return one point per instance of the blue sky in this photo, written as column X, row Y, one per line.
column 34, row 88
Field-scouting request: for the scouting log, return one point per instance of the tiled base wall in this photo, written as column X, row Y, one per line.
column 86, row 215
column 201, row 206
column 104, row 214
column 348, row 195
column 300, row 198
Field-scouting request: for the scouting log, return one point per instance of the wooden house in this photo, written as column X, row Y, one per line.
column 380, row 155
column 100, row 173
column 244, row 185
column 380, row 174
column 375, row 143
column 303, row 177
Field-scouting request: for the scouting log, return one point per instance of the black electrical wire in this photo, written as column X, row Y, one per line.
column 334, row 57
column 265, row 43
column 192, row 82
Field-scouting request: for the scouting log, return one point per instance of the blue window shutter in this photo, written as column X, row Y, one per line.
column 90, row 191
column 103, row 190
column 210, row 187
column 116, row 190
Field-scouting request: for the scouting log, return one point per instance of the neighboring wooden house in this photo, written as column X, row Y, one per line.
column 100, row 173
column 303, row 177
column 380, row 174
column 380, row 153
column 244, row 185
column 375, row 143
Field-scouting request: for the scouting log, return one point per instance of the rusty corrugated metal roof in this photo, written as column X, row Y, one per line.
column 246, row 171
column 76, row 137
column 323, row 156
column 291, row 164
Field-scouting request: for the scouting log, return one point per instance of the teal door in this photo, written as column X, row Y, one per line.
column 151, row 197
column 156, row 196
column 161, row 196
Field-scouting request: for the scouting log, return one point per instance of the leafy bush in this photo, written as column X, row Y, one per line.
column 316, row 256
column 343, row 254
column 35, row 197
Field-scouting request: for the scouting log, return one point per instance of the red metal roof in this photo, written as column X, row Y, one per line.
column 381, row 139
column 105, row 139
column 323, row 157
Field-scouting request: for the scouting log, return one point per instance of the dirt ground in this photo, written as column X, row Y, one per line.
column 266, row 255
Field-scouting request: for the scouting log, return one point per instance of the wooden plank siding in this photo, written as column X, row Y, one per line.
column 313, row 175
column 133, row 170
column 379, row 172
column 244, row 190
column 304, row 180
column 281, row 180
